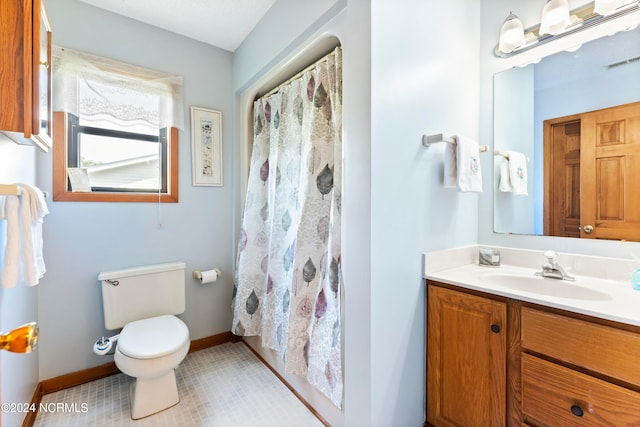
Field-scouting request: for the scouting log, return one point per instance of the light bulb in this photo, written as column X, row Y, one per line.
column 607, row 7
column 555, row 17
column 511, row 34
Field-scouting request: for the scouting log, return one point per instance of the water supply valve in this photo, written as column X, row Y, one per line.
column 104, row 344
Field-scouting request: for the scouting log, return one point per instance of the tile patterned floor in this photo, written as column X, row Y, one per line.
column 222, row 386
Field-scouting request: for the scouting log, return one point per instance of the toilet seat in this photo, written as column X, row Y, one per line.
column 153, row 337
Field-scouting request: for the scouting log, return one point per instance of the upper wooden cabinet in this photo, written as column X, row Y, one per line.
column 25, row 72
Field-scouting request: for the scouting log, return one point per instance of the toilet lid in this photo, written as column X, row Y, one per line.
column 153, row 337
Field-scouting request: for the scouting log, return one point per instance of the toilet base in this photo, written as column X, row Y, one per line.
column 149, row 396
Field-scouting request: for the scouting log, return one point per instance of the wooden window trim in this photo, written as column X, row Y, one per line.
column 61, row 193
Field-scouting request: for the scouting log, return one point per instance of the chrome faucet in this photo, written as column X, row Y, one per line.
column 552, row 269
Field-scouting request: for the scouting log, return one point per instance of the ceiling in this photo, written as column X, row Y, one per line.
column 221, row 23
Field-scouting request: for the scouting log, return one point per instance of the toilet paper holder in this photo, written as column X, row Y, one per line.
column 197, row 274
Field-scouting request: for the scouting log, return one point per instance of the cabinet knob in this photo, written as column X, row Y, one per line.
column 577, row 411
column 495, row 329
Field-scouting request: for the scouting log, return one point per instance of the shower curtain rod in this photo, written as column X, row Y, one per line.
column 297, row 75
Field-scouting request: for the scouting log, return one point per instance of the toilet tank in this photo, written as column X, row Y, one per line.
column 142, row 292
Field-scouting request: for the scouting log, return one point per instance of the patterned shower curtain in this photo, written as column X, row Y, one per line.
column 288, row 279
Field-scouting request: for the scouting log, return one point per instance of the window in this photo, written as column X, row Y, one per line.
column 109, row 183
column 118, row 160
column 116, row 126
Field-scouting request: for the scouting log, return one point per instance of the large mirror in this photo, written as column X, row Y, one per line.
column 575, row 116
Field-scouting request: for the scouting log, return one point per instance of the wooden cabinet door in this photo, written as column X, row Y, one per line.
column 25, row 72
column 610, row 159
column 466, row 359
column 15, row 65
column 41, row 118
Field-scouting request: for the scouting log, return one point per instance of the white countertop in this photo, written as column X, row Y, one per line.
column 604, row 297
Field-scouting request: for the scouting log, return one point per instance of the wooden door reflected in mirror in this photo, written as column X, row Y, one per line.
column 592, row 164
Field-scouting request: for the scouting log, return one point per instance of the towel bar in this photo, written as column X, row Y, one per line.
column 504, row 154
column 427, row 140
column 14, row 190
column 9, row 190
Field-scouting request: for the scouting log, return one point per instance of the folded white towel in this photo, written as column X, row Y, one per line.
column 10, row 213
column 468, row 165
column 26, row 240
column 38, row 205
column 518, row 172
column 450, row 166
column 505, row 179
column 39, row 209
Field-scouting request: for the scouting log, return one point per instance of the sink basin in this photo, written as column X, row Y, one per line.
column 543, row 286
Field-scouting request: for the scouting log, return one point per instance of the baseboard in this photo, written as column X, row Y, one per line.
column 213, row 340
column 78, row 378
column 30, row 417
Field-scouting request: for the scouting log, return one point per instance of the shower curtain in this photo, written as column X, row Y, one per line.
column 288, row 279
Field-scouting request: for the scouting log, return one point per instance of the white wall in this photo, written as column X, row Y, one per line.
column 493, row 13
column 19, row 305
column 424, row 80
column 82, row 239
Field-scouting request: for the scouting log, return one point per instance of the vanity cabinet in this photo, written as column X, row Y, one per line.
column 495, row 361
column 466, row 359
column 25, row 72
column 578, row 371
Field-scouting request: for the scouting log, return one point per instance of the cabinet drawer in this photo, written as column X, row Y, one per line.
column 551, row 394
column 603, row 349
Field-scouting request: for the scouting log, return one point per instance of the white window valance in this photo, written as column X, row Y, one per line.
column 98, row 89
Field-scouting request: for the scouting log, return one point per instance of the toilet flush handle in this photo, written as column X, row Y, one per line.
column 112, row 282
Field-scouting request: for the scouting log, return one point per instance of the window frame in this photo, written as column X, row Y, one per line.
column 61, row 191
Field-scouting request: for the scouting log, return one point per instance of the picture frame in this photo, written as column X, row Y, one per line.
column 206, row 147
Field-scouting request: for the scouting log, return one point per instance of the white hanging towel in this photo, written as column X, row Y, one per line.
column 9, row 266
column 505, row 180
column 518, row 172
column 450, row 166
column 39, row 209
column 469, row 173
column 23, row 248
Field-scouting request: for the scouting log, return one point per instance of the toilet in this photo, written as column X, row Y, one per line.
column 143, row 301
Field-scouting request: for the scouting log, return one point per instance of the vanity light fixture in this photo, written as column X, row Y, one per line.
column 607, row 7
column 511, row 34
column 555, row 17
column 558, row 21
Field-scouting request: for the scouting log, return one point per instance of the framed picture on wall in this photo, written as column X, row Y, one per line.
column 206, row 146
